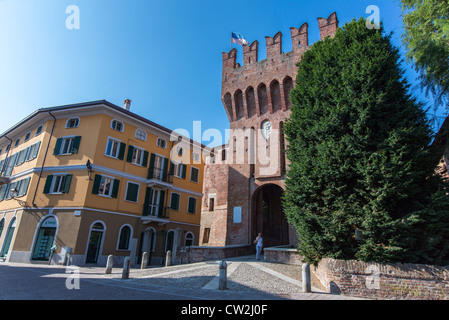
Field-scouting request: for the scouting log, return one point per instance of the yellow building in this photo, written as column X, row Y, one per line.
column 94, row 180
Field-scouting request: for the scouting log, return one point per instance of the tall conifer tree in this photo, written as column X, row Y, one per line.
column 361, row 183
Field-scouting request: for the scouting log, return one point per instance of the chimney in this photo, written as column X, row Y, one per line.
column 127, row 104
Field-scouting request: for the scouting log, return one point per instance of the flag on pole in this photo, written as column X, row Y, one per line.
column 239, row 39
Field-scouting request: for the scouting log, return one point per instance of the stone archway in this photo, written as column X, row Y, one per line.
column 269, row 217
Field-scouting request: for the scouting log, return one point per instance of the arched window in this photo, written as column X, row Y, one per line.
column 117, row 125
column 250, row 102
column 238, row 99
column 288, row 86
column 8, row 237
column 227, row 99
column 124, row 238
column 161, row 143
column 275, row 96
column 188, row 241
column 72, row 123
column 262, row 96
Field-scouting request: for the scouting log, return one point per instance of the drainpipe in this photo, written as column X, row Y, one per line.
column 45, row 157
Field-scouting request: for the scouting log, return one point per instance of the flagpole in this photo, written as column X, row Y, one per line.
column 231, row 42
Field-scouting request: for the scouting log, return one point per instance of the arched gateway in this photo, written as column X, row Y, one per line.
column 268, row 216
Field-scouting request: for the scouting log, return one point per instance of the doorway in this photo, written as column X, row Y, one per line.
column 8, row 238
column 45, row 239
column 269, row 217
column 95, row 240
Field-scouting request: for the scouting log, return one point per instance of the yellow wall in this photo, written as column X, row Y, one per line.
column 94, row 130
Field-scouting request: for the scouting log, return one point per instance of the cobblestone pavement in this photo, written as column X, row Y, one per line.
column 245, row 274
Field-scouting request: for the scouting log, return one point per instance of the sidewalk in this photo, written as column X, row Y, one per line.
column 246, row 276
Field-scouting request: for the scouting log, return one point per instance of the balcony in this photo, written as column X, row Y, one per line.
column 160, row 178
column 155, row 213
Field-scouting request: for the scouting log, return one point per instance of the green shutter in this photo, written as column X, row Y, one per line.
column 4, row 191
column 161, row 204
column 115, row 188
column 165, row 170
column 121, row 152
column 57, row 146
column 11, row 161
column 66, row 186
column 151, row 169
column 174, row 201
column 129, row 157
column 146, row 206
column 76, row 145
column 192, row 205
column 35, row 150
column 48, row 184
column 194, row 175
column 171, row 172
column 184, row 169
column 145, row 158
column 132, row 192
column 97, row 181
column 24, row 188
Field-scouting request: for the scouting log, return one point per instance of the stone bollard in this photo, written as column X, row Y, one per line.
column 168, row 258
column 109, row 264
column 222, row 276
column 144, row 264
column 126, row 266
column 306, row 285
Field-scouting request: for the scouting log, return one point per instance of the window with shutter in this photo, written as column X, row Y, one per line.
column 132, row 192
column 57, row 184
column 115, row 149
column 174, row 201
column 67, row 145
column 192, row 205
column 194, row 173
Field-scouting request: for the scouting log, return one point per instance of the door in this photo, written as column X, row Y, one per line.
column 8, row 238
column 94, row 245
column 45, row 239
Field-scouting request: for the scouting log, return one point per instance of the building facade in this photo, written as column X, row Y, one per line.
column 94, row 180
column 244, row 180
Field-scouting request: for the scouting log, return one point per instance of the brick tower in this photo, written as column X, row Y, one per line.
column 244, row 181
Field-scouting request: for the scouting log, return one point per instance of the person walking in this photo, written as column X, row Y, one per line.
column 259, row 244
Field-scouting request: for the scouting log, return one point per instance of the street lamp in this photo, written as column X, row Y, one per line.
column 89, row 169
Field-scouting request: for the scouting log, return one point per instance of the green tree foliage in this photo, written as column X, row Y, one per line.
column 426, row 37
column 361, row 164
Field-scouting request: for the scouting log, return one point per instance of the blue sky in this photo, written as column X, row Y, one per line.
column 163, row 55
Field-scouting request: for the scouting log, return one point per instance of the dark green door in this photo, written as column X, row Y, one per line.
column 93, row 247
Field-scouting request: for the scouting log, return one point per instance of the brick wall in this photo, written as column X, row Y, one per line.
column 373, row 280
column 384, row 281
column 199, row 254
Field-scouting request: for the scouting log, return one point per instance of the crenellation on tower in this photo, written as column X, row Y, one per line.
column 328, row 27
column 251, row 53
column 300, row 37
column 260, row 87
column 274, row 45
